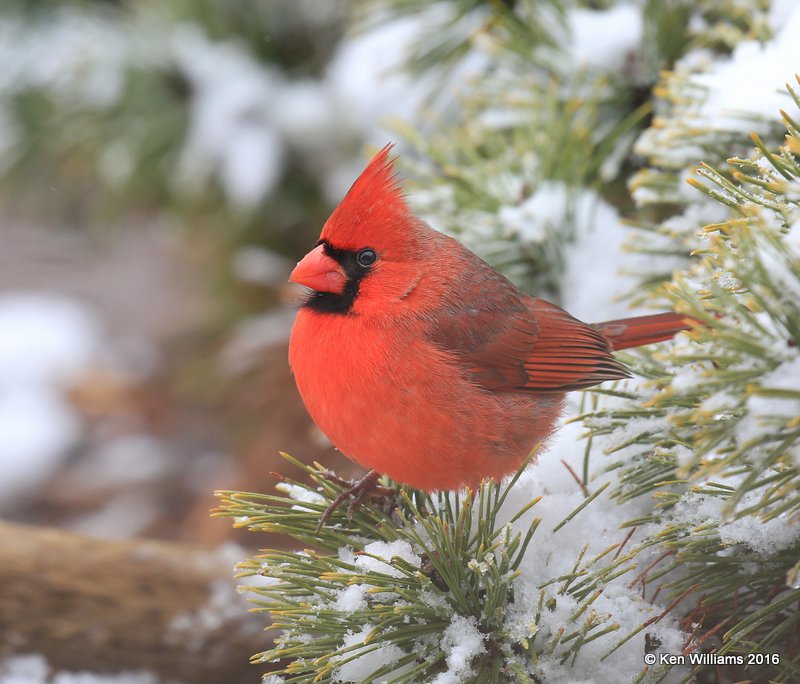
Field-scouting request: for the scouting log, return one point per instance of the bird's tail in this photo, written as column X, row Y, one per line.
column 641, row 330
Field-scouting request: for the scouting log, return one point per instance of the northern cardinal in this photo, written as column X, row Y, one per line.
column 419, row 360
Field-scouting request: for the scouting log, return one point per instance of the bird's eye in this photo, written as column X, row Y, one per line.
column 366, row 257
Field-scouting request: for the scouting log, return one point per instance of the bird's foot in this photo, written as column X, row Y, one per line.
column 357, row 492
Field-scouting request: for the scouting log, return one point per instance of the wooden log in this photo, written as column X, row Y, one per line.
column 108, row 606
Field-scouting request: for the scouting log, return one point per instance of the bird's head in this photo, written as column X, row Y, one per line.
column 370, row 249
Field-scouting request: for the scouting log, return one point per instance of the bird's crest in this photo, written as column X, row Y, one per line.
column 371, row 208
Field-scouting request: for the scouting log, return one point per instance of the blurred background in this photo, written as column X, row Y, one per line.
column 163, row 167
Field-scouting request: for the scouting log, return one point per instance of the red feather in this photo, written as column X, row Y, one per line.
column 640, row 330
column 427, row 364
column 374, row 199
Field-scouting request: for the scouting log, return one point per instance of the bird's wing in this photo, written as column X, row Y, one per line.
column 509, row 341
column 568, row 354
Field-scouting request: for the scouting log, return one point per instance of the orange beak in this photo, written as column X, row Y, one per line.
column 319, row 272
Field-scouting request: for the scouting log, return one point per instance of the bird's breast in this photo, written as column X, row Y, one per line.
column 361, row 379
column 391, row 400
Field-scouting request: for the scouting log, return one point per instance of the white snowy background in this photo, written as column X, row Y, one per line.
column 51, row 340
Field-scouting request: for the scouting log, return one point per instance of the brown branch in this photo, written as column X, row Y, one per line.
column 108, row 606
column 577, row 479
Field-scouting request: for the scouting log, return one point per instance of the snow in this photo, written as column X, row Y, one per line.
column 541, row 214
column 307, row 116
column 231, row 131
column 783, row 271
column 598, row 269
column 765, row 537
column 604, row 39
column 553, row 555
column 224, row 607
column 300, row 494
column 36, row 428
column 461, row 643
column 34, row 669
column 383, row 553
column 764, row 67
column 377, row 558
column 46, row 338
column 780, row 11
column 352, row 599
column 710, row 100
column 366, row 76
column 368, row 82
column 358, row 669
column 48, row 343
column 759, row 408
column 761, row 536
column 44, row 341
column 79, row 57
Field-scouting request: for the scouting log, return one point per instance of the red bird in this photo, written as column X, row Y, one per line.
column 420, row 361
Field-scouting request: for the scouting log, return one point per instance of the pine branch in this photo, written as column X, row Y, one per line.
column 721, row 451
column 393, row 586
